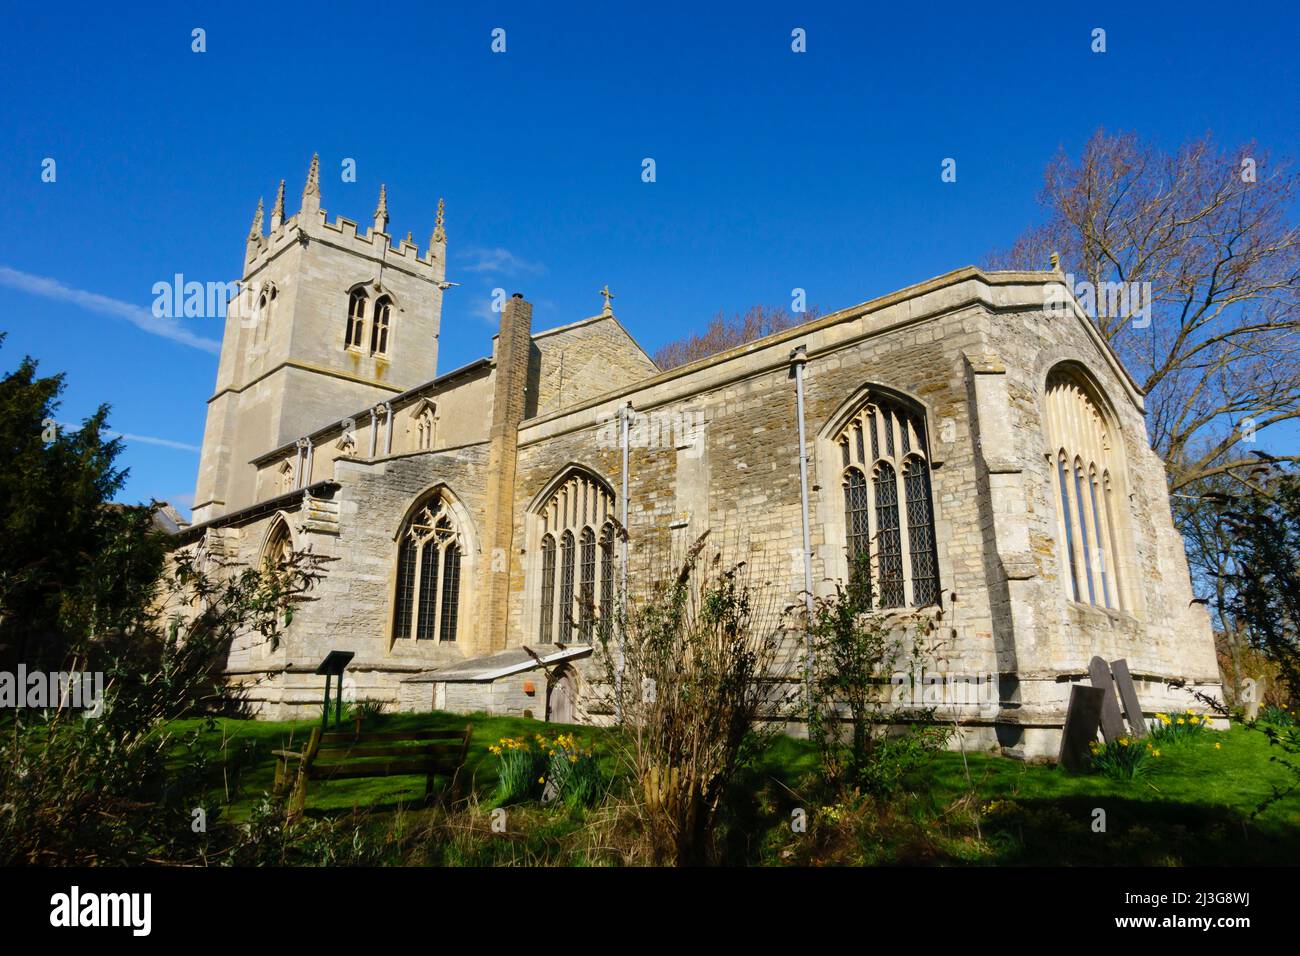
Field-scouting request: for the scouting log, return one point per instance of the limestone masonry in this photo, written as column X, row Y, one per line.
column 987, row 451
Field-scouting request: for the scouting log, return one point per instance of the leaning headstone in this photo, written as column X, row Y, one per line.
column 1081, row 722
column 1112, row 724
column 1128, row 696
column 1250, row 697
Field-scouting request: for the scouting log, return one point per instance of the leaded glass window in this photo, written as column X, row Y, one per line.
column 575, row 587
column 428, row 575
column 889, row 531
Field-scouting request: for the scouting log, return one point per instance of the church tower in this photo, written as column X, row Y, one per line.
column 330, row 319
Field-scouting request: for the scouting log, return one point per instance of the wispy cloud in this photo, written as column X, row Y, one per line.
column 483, row 310
column 137, row 315
column 143, row 439
column 496, row 261
column 151, row 440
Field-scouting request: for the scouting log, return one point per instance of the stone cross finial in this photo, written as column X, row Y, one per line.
column 381, row 211
column 1056, row 261
column 439, row 234
column 608, row 310
column 256, row 231
column 277, row 212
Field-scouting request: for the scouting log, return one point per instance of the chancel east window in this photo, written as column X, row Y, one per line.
column 1085, row 465
column 356, row 320
column 576, row 574
column 888, row 511
column 428, row 575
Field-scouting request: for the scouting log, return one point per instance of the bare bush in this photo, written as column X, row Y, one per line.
column 703, row 669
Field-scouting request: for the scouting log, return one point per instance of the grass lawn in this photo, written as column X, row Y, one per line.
column 242, row 750
column 1194, row 807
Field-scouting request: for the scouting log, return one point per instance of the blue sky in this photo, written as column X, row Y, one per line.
column 774, row 170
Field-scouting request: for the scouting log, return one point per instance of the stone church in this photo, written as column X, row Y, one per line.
column 987, row 451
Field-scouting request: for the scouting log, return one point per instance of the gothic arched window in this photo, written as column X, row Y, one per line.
column 1079, row 436
column 279, row 546
column 356, row 320
column 586, row 585
column 379, row 326
column 888, row 507
column 607, row 578
column 428, row 575
column 548, row 589
column 566, row 586
column 425, row 419
column 576, row 589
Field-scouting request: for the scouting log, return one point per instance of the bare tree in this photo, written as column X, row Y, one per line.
column 723, row 333
column 1210, row 236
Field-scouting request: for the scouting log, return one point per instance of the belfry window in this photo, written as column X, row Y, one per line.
column 1085, row 462
column 576, row 576
column 356, row 320
column 379, row 326
column 888, row 509
column 428, row 575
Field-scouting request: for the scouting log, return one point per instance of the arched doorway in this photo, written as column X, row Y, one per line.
column 562, row 697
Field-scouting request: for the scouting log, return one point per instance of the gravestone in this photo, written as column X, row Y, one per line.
column 1112, row 724
column 1250, row 695
column 1081, row 722
column 1128, row 696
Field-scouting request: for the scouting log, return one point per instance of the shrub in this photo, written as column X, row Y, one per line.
column 702, row 656
column 106, row 790
column 367, row 711
column 852, row 718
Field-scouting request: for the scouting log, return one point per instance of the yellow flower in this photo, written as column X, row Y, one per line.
column 1180, row 721
column 541, row 779
column 1218, row 746
column 1156, row 753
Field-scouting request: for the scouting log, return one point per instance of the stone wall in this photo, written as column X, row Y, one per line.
column 715, row 447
